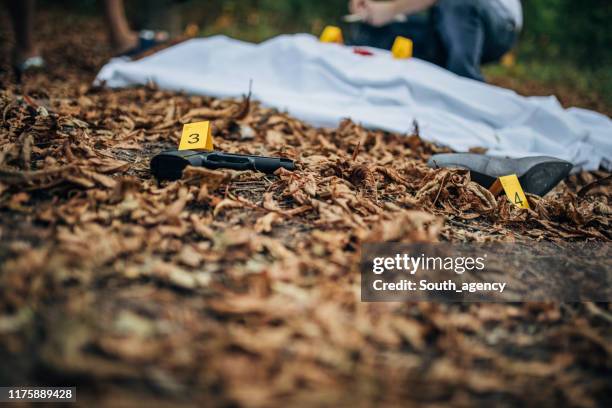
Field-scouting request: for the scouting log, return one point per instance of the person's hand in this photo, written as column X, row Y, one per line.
column 358, row 7
column 376, row 13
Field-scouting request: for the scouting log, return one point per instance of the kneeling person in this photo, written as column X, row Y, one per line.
column 459, row 35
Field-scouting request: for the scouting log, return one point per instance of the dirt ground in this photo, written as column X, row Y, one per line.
column 240, row 289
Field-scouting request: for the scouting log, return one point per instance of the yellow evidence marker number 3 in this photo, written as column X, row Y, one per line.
column 196, row 136
column 513, row 189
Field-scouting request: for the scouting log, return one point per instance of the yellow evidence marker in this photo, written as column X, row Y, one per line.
column 332, row 34
column 196, row 136
column 508, row 60
column 191, row 30
column 511, row 185
column 402, row 48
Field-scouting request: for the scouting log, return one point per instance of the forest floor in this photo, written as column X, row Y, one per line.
column 242, row 289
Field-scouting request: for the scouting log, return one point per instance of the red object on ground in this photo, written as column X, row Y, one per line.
column 363, row 51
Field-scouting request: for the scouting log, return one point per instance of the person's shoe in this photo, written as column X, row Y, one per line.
column 537, row 175
column 147, row 41
column 30, row 64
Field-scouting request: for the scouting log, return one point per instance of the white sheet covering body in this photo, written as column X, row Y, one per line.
column 324, row 83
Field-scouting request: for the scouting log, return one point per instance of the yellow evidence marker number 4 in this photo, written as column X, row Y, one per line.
column 196, row 136
column 513, row 189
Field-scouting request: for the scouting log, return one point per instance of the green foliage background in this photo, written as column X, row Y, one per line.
column 577, row 30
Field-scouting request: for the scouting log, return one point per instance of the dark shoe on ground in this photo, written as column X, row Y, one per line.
column 147, row 41
column 537, row 175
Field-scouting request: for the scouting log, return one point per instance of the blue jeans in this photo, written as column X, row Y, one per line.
column 459, row 35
